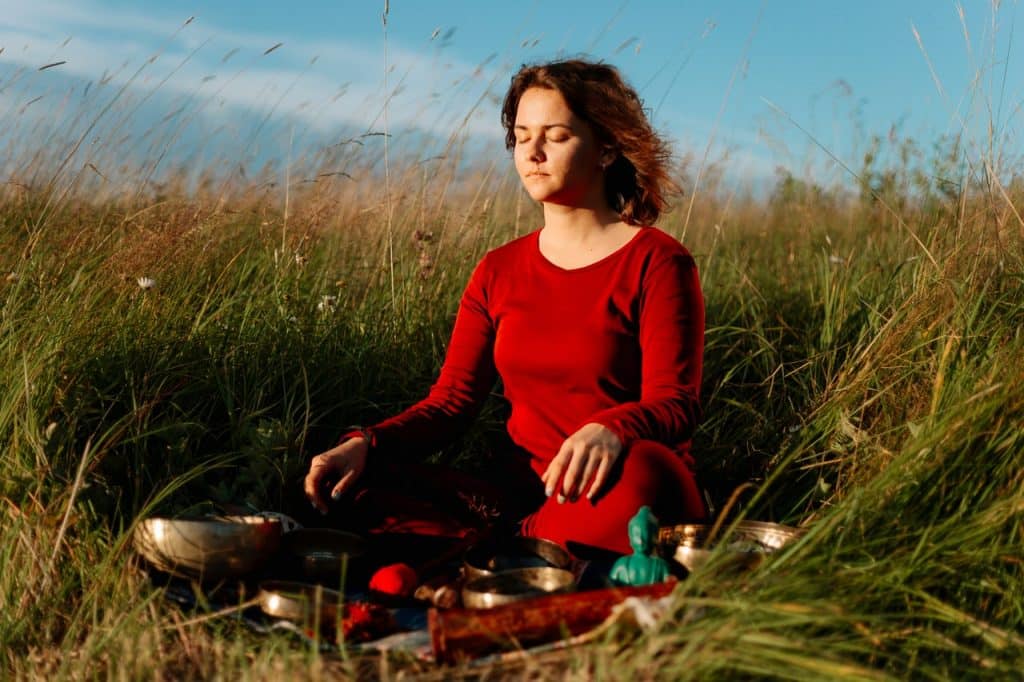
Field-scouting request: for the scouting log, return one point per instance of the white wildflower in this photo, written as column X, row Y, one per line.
column 836, row 260
column 327, row 304
column 146, row 282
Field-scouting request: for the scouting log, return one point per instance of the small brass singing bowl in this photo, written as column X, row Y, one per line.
column 509, row 553
column 208, row 549
column 514, row 585
column 745, row 547
column 300, row 603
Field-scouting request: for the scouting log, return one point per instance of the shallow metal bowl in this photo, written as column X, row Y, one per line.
column 318, row 553
column 514, row 585
column 746, row 545
column 208, row 548
column 300, row 602
column 503, row 554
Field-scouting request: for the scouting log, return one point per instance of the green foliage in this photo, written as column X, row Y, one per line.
column 862, row 380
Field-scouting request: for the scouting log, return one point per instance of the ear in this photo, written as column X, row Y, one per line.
column 608, row 156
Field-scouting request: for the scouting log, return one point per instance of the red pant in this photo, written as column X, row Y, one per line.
column 649, row 473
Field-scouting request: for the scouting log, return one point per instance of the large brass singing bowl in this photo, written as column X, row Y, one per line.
column 516, row 584
column 509, row 553
column 745, row 547
column 208, row 549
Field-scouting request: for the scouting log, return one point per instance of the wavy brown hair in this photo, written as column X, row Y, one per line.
column 637, row 184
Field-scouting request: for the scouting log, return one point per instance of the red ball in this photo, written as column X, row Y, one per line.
column 399, row 580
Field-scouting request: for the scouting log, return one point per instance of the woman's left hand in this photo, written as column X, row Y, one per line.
column 588, row 453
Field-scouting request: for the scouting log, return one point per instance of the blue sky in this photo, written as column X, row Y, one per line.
column 741, row 75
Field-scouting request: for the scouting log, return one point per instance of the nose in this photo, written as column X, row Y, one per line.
column 535, row 150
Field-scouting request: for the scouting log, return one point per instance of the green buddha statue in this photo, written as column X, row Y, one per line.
column 641, row 567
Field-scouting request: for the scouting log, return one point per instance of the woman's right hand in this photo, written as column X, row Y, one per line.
column 343, row 463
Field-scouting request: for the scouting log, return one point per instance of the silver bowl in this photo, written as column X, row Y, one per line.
column 516, row 584
column 319, row 553
column 745, row 547
column 300, row 603
column 509, row 553
column 208, row 549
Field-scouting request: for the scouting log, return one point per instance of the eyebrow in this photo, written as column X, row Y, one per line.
column 545, row 127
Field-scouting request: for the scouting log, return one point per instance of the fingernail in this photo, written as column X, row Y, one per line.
column 336, row 495
column 561, row 498
column 549, row 491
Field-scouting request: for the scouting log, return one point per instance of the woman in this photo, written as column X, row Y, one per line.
column 594, row 322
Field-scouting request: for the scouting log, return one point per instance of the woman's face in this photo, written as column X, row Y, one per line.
column 556, row 155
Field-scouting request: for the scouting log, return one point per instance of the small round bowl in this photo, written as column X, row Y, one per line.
column 208, row 549
column 300, row 603
column 510, row 553
column 746, row 548
column 514, row 585
column 318, row 553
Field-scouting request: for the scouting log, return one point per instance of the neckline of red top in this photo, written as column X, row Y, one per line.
column 590, row 266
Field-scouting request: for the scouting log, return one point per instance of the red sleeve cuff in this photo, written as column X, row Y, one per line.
column 361, row 432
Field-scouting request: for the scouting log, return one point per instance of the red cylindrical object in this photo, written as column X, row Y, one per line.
column 467, row 633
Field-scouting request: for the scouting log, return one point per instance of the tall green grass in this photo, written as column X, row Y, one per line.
column 863, row 380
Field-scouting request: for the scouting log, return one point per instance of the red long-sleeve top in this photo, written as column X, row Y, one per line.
column 618, row 342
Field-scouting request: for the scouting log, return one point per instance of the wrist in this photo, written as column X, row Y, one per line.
column 360, row 432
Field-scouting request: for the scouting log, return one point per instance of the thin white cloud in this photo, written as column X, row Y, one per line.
column 301, row 79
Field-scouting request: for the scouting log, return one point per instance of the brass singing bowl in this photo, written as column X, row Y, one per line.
column 745, row 547
column 208, row 549
column 319, row 553
column 299, row 602
column 509, row 553
column 516, row 584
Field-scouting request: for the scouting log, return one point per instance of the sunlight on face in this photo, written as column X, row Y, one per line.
column 556, row 155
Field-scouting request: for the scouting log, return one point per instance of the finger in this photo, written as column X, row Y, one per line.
column 588, row 473
column 344, row 484
column 312, row 487
column 554, row 470
column 573, row 471
column 600, row 477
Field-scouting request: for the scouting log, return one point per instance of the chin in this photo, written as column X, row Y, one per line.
column 537, row 193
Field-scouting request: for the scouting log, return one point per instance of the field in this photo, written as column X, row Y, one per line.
column 175, row 345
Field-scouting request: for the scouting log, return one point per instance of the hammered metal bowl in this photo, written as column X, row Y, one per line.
column 503, row 554
column 516, row 584
column 745, row 547
column 319, row 553
column 299, row 602
column 208, row 549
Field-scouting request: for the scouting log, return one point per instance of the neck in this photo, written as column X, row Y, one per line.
column 579, row 224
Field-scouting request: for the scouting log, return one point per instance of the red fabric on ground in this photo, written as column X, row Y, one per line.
column 618, row 342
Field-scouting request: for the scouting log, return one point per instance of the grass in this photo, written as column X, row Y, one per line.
column 863, row 376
